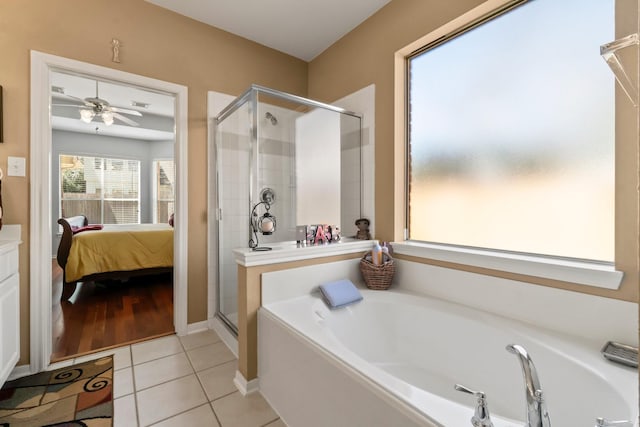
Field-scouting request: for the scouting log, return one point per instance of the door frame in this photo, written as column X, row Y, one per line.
column 40, row 240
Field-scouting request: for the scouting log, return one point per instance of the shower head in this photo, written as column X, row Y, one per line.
column 271, row 117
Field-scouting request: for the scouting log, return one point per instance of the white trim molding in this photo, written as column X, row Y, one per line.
column 40, row 198
column 246, row 387
column 40, row 206
column 19, row 372
column 194, row 328
column 590, row 273
column 216, row 102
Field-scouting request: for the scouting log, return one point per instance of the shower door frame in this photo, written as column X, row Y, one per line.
column 251, row 96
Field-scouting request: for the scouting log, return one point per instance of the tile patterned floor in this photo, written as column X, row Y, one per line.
column 181, row 381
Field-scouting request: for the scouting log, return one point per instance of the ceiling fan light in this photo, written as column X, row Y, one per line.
column 107, row 118
column 87, row 115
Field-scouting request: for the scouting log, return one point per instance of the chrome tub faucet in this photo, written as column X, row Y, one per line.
column 481, row 417
column 537, row 413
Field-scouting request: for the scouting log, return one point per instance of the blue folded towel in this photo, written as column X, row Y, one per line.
column 340, row 293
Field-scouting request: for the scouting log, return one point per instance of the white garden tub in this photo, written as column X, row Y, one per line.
column 393, row 359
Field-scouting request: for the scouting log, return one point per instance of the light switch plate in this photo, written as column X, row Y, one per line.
column 16, row 166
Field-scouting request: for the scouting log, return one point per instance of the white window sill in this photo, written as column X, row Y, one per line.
column 601, row 275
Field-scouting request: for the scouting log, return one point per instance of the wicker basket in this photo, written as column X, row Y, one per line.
column 377, row 277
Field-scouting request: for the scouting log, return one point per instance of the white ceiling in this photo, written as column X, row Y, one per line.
column 155, row 124
column 301, row 28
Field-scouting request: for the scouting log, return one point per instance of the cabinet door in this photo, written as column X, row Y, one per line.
column 9, row 326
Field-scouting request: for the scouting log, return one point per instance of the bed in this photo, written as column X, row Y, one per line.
column 114, row 252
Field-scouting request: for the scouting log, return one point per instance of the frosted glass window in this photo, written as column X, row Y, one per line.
column 511, row 134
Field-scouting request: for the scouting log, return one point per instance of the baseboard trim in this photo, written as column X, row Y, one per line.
column 194, row 328
column 19, row 372
column 245, row 387
column 225, row 335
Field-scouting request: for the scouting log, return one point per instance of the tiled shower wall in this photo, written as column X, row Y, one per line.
column 233, row 229
column 277, row 169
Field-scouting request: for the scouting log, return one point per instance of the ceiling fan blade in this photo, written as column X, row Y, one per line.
column 124, row 119
column 64, row 95
column 125, row 111
column 69, row 105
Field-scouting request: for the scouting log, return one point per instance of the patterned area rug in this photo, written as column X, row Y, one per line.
column 78, row 395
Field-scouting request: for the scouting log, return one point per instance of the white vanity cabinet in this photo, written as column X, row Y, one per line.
column 9, row 301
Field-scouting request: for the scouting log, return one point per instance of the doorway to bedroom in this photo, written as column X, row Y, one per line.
column 99, row 110
column 112, row 164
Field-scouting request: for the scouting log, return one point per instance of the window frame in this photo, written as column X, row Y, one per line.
column 102, row 198
column 154, row 183
column 574, row 271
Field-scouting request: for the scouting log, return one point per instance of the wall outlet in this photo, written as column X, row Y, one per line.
column 16, row 166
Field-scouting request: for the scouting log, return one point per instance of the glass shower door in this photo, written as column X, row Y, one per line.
column 233, row 156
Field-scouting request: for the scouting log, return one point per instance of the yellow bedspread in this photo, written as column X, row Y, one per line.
column 124, row 249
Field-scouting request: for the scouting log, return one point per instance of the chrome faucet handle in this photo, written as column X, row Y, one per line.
column 464, row 389
column 481, row 417
column 602, row 422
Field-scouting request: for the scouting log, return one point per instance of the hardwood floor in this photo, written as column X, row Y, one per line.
column 104, row 315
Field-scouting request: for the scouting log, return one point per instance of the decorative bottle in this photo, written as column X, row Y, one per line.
column 376, row 254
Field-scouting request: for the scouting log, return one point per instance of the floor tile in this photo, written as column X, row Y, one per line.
column 236, row 410
column 218, row 381
column 169, row 399
column 124, row 412
column 200, row 416
column 155, row 349
column 122, row 382
column 154, row 382
column 161, row 370
column 199, row 339
column 121, row 357
column 210, row 355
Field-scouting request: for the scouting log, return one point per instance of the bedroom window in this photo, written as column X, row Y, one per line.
column 511, row 129
column 163, row 190
column 106, row 191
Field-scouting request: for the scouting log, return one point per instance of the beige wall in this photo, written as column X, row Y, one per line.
column 166, row 46
column 155, row 43
column 250, row 300
column 366, row 56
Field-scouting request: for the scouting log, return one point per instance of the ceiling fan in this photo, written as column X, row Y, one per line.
column 92, row 107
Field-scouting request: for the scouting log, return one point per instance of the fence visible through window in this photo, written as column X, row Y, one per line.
column 105, row 190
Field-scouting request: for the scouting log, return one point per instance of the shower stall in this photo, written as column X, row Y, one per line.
column 281, row 161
